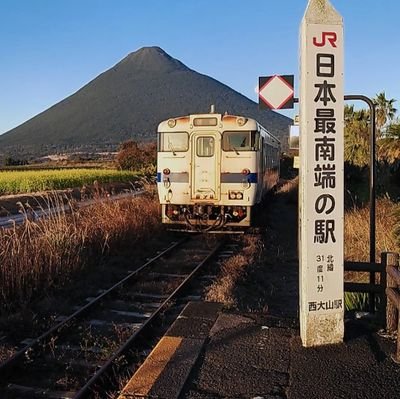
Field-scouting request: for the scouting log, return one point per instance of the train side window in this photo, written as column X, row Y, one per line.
column 205, row 146
column 255, row 140
column 264, row 147
column 240, row 141
column 269, row 154
column 173, row 141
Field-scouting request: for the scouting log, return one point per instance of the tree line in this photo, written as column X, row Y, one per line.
column 357, row 133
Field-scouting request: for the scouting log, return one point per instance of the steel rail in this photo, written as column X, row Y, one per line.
column 9, row 363
column 87, row 388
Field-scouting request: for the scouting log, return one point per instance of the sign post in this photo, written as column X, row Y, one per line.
column 321, row 199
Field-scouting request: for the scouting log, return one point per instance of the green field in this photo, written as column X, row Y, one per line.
column 15, row 182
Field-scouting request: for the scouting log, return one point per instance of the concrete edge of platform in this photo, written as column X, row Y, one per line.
column 165, row 371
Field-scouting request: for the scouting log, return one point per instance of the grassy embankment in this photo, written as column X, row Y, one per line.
column 42, row 255
column 357, row 242
column 46, row 254
column 16, row 182
column 356, row 248
column 357, row 230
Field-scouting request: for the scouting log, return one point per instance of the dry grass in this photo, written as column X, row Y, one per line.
column 396, row 233
column 44, row 254
column 289, row 190
column 236, row 269
column 288, row 186
column 357, row 225
column 357, row 230
column 232, row 271
column 356, row 234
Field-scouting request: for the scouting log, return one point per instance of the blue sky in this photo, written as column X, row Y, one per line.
column 51, row 48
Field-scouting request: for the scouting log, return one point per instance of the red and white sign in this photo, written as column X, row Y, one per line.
column 276, row 92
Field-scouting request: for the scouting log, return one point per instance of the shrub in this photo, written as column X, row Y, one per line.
column 133, row 156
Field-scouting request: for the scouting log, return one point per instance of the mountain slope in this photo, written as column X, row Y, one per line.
column 129, row 100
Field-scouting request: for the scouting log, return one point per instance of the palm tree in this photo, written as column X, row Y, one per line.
column 385, row 110
column 389, row 146
column 356, row 136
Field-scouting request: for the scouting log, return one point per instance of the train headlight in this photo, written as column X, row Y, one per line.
column 235, row 195
column 171, row 122
column 166, row 171
column 245, row 172
column 241, row 121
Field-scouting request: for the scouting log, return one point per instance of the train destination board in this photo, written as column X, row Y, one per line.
column 321, row 175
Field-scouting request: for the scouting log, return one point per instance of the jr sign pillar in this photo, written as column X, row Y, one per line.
column 321, row 175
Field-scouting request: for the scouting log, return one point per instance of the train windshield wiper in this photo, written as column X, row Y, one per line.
column 170, row 146
column 234, row 148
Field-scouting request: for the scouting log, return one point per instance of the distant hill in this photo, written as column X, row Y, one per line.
column 128, row 101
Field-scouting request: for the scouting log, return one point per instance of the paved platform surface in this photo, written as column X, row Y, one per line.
column 250, row 357
column 209, row 354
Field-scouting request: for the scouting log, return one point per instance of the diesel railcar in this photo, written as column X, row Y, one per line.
column 212, row 170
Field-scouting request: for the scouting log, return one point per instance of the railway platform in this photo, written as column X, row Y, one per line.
column 212, row 354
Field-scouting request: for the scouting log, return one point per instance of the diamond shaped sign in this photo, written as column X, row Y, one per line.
column 276, row 92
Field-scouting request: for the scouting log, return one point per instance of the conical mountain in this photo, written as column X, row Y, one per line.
column 128, row 101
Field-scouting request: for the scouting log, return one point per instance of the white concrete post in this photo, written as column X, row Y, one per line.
column 321, row 194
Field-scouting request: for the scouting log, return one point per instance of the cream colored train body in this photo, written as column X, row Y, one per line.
column 212, row 169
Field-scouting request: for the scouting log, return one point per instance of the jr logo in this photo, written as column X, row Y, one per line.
column 331, row 37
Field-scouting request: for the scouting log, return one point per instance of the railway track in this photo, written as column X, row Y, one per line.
column 86, row 351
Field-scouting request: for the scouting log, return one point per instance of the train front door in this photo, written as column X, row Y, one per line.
column 205, row 166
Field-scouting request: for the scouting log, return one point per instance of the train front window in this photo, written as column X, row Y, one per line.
column 205, row 146
column 173, row 142
column 240, row 141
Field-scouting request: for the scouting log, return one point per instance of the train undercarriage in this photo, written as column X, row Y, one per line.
column 206, row 217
